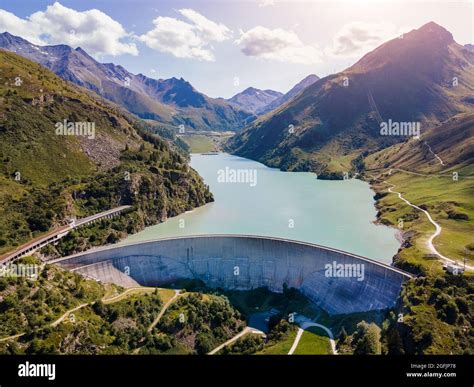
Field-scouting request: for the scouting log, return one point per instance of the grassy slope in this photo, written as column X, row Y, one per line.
column 452, row 141
column 29, row 304
column 438, row 307
column 449, row 202
column 28, row 132
column 437, row 315
column 282, row 346
column 440, row 196
column 117, row 330
column 314, row 341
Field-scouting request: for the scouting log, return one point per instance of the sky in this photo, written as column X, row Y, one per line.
column 224, row 46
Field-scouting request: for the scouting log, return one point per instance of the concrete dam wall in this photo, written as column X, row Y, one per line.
column 248, row 262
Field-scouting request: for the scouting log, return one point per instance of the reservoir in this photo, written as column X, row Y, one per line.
column 253, row 199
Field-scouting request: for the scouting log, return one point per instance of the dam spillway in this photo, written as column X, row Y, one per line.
column 244, row 262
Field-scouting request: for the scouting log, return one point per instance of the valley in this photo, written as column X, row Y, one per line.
column 203, row 142
column 318, row 127
column 296, row 214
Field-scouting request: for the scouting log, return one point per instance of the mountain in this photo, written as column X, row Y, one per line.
column 295, row 90
column 424, row 77
column 470, row 47
column 254, row 100
column 448, row 147
column 172, row 102
column 66, row 152
column 260, row 102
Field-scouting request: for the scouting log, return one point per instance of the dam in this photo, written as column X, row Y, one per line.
column 244, row 262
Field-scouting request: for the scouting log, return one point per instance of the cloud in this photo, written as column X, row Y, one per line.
column 186, row 39
column 93, row 30
column 266, row 3
column 209, row 30
column 277, row 44
column 358, row 38
column 16, row 26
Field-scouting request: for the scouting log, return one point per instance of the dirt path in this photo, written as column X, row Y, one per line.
column 297, row 341
column 434, row 154
column 438, row 228
column 105, row 300
column 11, row 337
column 158, row 318
column 247, row 330
column 65, row 315
column 163, row 310
column 121, row 296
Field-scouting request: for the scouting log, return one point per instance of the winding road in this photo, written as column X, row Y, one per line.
column 438, row 228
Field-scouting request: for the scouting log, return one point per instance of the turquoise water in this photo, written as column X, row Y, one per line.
column 293, row 205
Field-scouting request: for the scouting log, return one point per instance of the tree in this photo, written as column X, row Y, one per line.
column 162, row 342
column 99, row 308
column 9, row 302
column 113, row 237
column 342, row 336
column 394, row 342
column 39, row 222
column 451, row 312
column 203, row 344
column 367, row 339
column 40, row 295
column 3, row 284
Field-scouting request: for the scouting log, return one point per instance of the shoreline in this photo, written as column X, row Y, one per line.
column 399, row 234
